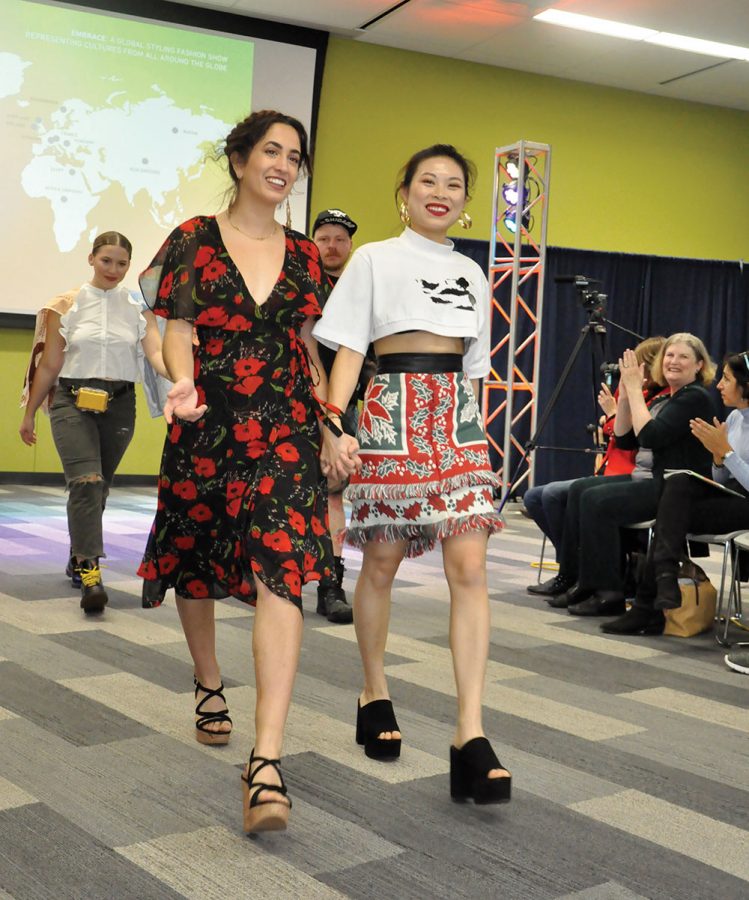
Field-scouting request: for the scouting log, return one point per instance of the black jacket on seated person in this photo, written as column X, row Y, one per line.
column 669, row 437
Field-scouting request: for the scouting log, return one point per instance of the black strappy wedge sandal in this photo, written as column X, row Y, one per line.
column 469, row 774
column 264, row 815
column 203, row 734
column 371, row 720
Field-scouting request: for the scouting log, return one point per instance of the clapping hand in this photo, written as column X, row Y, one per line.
column 712, row 437
column 631, row 373
column 606, row 401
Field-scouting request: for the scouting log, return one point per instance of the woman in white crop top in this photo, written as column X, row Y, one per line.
column 420, row 471
column 87, row 340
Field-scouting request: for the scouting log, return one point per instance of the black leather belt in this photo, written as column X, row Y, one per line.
column 432, row 363
column 122, row 387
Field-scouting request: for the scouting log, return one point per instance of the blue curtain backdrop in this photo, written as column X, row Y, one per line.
column 649, row 295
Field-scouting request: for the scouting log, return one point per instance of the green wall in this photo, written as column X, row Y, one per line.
column 630, row 172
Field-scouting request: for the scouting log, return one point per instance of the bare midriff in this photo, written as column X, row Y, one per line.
column 418, row 342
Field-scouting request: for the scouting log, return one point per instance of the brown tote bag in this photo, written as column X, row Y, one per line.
column 698, row 600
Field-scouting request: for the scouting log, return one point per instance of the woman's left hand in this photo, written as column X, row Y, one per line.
column 631, row 373
column 712, row 437
column 339, row 456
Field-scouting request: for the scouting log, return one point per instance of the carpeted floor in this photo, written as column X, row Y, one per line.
column 629, row 756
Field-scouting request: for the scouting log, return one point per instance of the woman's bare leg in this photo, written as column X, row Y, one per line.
column 464, row 558
column 372, row 616
column 199, row 625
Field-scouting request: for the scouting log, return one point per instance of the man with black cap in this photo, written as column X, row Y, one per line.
column 332, row 232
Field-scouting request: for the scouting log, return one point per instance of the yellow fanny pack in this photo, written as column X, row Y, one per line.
column 91, row 399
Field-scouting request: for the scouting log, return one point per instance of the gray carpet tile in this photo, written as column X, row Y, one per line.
column 43, row 855
column 60, row 711
column 629, row 755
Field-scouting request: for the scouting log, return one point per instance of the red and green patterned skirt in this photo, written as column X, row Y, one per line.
column 425, row 472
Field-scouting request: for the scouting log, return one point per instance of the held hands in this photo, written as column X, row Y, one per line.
column 339, row 456
column 712, row 437
column 182, row 401
column 631, row 373
column 27, row 430
column 606, row 401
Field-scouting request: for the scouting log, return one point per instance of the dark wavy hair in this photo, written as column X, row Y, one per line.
column 406, row 174
column 250, row 131
column 112, row 239
column 738, row 363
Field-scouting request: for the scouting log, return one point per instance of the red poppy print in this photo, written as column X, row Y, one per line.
column 244, row 367
column 205, row 467
column 248, row 386
column 200, row 513
column 214, row 346
column 197, row 588
column 167, row 563
column 288, row 452
column 298, row 411
column 203, row 256
column 238, row 323
column 235, row 489
column 214, row 317
column 240, row 496
column 213, row 270
column 187, row 490
column 166, row 285
column 148, row 571
column 297, row 521
column 294, row 582
column 265, row 486
column 250, row 430
column 277, row 540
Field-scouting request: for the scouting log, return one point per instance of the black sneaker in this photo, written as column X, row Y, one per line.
column 331, row 603
column 551, row 588
column 93, row 596
column 73, row 572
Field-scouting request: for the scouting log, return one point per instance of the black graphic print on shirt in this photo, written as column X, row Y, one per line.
column 453, row 292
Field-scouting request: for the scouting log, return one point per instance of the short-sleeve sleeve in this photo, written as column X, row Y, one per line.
column 476, row 360
column 347, row 317
column 168, row 284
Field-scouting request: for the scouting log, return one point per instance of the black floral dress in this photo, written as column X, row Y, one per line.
column 240, row 490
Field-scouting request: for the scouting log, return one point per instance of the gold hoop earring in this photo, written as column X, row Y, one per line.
column 465, row 221
column 288, row 214
column 403, row 213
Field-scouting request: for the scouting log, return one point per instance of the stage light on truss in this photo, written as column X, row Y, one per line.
column 512, row 167
column 510, row 192
column 510, row 219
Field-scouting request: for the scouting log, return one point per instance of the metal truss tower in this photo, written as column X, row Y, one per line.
column 517, row 265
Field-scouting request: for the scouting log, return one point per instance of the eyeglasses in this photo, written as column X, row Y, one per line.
column 746, row 360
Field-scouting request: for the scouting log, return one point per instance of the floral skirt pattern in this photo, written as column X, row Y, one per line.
column 425, row 472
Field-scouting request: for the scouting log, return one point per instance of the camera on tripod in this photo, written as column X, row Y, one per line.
column 593, row 301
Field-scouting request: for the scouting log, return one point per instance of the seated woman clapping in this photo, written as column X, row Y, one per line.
column 688, row 504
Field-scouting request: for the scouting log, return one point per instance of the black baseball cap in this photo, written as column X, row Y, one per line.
column 335, row 217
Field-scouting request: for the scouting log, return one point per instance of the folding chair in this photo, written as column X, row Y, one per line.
column 731, row 546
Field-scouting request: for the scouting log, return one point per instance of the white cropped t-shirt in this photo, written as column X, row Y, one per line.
column 103, row 331
column 409, row 283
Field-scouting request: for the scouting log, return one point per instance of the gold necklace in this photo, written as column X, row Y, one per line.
column 237, row 228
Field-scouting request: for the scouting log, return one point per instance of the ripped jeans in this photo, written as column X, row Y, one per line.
column 91, row 446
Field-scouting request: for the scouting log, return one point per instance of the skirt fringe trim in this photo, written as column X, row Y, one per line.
column 420, row 489
column 422, row 538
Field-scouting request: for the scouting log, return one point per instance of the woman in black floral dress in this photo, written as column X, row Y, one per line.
column 242, row 503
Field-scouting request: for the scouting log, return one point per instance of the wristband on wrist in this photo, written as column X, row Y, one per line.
column 331, row 426
column 331, row 408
